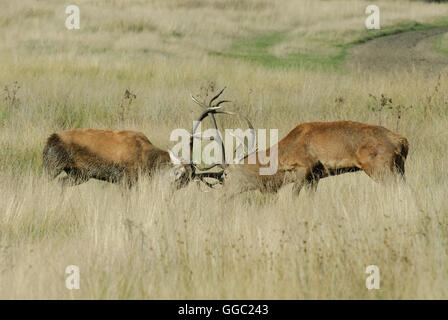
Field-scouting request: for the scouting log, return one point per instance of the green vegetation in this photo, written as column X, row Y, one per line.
column 399, row 28
column 258, row 49
column 441, row 44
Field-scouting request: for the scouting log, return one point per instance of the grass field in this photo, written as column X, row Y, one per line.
column 283, row 64
column 442, row 44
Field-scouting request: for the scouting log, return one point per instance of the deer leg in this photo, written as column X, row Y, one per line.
column 128, row 182
column 399, row 166
column 311, row 184
column 380, row 167
column 312, row 179
column 300, row 180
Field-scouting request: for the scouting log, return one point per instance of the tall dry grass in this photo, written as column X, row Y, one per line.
column 149, row 243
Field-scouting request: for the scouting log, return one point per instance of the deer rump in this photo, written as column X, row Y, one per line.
column 331, row 148
column 108, row 155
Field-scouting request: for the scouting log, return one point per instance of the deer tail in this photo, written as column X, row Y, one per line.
column 401, row 154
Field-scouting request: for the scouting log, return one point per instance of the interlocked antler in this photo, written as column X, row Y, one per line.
column 250, row 145
column 210, row 109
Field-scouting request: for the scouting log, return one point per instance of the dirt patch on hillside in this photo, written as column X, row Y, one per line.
column 404, row 51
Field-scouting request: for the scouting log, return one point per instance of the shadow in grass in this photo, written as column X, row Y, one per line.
column 257, row 49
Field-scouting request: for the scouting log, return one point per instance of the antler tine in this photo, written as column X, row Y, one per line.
column 222, row 101
column 225, row 112
column 209, row 167
column 208, row 184
column 216, row 97
column 204, row 114
column 214, row 175
column 250, row 148
column 203, row 105
column 249, row 124
column 210, row 110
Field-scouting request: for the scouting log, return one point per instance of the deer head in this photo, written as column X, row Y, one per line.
column 184, row 173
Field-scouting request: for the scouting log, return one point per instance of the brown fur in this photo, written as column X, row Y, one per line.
column 315, row 150
column 109, row 155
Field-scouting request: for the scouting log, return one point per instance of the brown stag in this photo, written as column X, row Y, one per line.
column 316, row 150
column 117, row 155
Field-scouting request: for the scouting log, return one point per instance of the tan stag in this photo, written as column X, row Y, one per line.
column 117, row 155
column 316, row 150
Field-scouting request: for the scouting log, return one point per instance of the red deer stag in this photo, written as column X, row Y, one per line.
column 316, row 150
column 117, row 155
